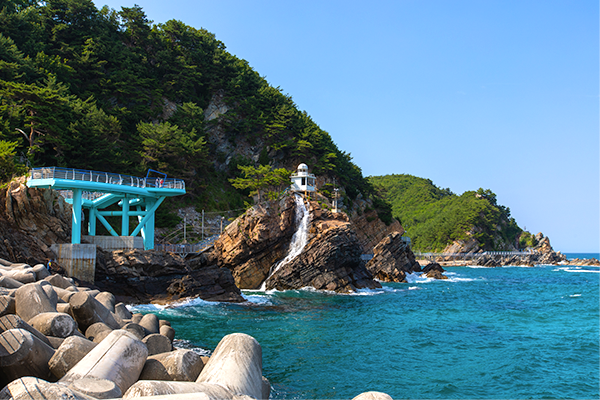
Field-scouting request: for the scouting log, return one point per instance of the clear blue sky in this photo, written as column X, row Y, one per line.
column 494, row 94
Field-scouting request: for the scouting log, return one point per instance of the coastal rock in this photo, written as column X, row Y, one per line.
column 434, row 271
column 392, row 259
column 142, row 276
column 252, row 243
column 30, row 221
column 330, row 261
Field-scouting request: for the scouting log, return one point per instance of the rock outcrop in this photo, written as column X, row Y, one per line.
column 392, row 259
column 143, row 276
column 256, row 241
column 251, row 244
column 330, row 260
column 30, row 221
column 434, row 271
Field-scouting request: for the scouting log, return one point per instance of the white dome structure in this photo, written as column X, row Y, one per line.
column 302, row 181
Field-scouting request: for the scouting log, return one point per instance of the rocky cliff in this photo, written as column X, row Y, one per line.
column 30, row 221
column 256, row 241
column 392, row 259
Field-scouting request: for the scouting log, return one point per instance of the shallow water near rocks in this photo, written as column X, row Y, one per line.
column 490, row 333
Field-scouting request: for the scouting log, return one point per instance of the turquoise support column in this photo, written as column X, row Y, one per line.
column 143, row 230
column 76, row 217
column 92, row 222
column 148, row 222
column 125, row 217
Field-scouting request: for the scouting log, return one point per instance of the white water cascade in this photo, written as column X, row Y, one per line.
column 299, row 239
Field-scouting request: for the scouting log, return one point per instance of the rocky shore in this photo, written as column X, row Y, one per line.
column 59, row 339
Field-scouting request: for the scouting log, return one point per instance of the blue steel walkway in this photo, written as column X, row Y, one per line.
column 95, row 191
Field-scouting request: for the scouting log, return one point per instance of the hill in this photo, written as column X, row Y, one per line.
column 437, row 219
column 111, row 91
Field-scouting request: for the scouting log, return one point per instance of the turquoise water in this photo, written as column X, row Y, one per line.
column 489, row 333
column 571, row 256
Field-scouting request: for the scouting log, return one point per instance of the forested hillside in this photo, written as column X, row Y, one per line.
column 435, row 218
column 109, row 90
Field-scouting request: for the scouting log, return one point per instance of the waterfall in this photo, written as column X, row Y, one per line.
column 298, row 240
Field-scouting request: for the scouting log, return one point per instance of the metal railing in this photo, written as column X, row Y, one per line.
column 465, row 256
column 185, row 249
column 105, row 177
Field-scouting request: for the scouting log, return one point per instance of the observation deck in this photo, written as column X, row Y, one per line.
column 95, row 191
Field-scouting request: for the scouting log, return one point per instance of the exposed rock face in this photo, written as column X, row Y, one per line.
column 30, row 221
column 330, row 261
column 434, row 270
column 255, row 241
column 392, row 259
column 141, row 276
column 370, row 230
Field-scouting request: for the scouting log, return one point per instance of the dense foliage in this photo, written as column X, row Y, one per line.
column 435, row 217
column 108, row 90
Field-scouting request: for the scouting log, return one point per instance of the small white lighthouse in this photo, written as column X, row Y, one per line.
column 302, row 181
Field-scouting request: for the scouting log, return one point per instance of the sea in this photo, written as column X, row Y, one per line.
column 484, row 333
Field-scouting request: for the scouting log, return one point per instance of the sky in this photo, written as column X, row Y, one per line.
column 502, row 95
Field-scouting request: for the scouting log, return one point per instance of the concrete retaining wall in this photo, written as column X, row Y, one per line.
column 116, row 242
column 79, row 260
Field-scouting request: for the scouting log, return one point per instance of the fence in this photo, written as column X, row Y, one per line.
column 105, row 177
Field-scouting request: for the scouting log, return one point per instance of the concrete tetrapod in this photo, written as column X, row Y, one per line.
column 54, row 324
column 31, row 300
column 23, row 354
column 120, row 358
column 68, row 354
column 157, row 343
column 30, row 388
column 177, row 365
column 13, row 321
column 236, row 364
column 158, row 388
column 373, row 396
column 88, row 311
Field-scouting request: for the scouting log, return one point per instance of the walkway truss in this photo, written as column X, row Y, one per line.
column 95, row 191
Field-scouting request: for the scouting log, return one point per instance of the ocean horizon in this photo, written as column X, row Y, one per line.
column 486, row 333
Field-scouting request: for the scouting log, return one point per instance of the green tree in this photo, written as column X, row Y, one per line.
column 8, row 164
column 257, row 179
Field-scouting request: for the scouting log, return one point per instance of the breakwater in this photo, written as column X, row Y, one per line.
column 61, row 339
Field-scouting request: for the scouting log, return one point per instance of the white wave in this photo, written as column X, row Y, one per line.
column 575, row 295
column 186, row 344
column 145, row 307
column 414, row 288
column 581, row 270
column 258, row 299
column 191, row 302
column 457, row 279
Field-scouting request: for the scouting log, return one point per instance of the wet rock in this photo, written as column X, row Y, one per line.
column 392, row 259
column 434, row 271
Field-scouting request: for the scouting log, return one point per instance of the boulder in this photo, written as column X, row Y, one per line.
column 177, row 365
column 434, row 271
